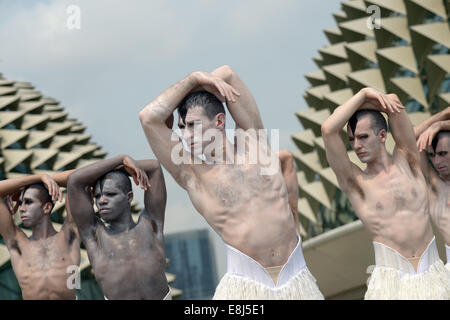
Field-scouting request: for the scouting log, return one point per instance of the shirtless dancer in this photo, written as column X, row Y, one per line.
column 42, row 263
column 249, row 210
column 389, row 196
column 128, row 258
column 434, row 134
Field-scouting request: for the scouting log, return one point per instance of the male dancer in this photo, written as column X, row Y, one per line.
column 128, row 258
column 247, row 206
column 42, row 262
column 389, row 196
column 434, row 133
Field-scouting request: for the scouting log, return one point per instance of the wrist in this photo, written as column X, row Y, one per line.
column 192, row 78
column 122, row 158
column 447, row 112
column 363, row 92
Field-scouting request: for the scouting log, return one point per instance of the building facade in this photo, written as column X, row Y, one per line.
column 191, row 258
column 394, row 46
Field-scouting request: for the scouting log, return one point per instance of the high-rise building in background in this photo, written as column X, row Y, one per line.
column 191, row 258
column 394, row 46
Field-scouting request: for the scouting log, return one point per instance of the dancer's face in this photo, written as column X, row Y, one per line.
column 441, row 158
column 364, row 142
column 110, row 200
column 31, row 208
column 195, row 125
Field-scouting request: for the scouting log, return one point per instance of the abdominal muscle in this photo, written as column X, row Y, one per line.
column 407, row 231
column 265, row 231
column 40, row 283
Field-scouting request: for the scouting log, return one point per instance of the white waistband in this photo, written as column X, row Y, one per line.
column 240, row 264
column 447, row 251
column 388, row 257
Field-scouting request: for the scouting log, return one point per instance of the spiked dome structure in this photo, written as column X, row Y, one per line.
column 408, row 55
column 37, row 135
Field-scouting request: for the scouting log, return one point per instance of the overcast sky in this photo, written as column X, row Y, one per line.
column 127, row 52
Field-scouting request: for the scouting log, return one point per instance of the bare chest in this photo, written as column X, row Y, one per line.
column 135, row 246
column 388, row 194
column 40, row 259
column 233, row 186
column 440, row 207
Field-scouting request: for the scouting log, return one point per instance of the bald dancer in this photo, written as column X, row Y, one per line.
column 128, row 258
column 247, row 206
column 433, row 135
column 389, row 196
column 45, row 261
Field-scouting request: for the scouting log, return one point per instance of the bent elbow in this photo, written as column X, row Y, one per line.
column 324, row 129
column 286, row 155
column 145, row 116
column 227, row 68
column 72, row 181
column 227, row 71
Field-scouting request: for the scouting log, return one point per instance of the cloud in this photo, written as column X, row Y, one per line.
column 255, row 17
column 110, row 31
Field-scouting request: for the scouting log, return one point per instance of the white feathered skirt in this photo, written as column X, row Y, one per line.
column 394, row 276
column 246, row 279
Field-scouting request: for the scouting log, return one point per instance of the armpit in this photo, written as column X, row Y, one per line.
column 413, row 164
column 354, row 186
column 15, row 246
column 72, row 236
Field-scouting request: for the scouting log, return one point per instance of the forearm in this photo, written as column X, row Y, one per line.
column 10, row 186
column 149, row 166
column 444, row 125
column 342, row 114
column 244, row 109
column 402, row 130
column 160, row 109
column 441, row 116
column 61, row 177
column 88, row 175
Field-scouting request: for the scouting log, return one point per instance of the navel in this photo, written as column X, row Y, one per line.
column 379, row 206
column 414, row 192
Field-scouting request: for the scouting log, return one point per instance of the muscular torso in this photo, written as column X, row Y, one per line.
column 130, row 264
column 439, row 195
column 250, row 211
column 393, row 206
column 41, row 266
